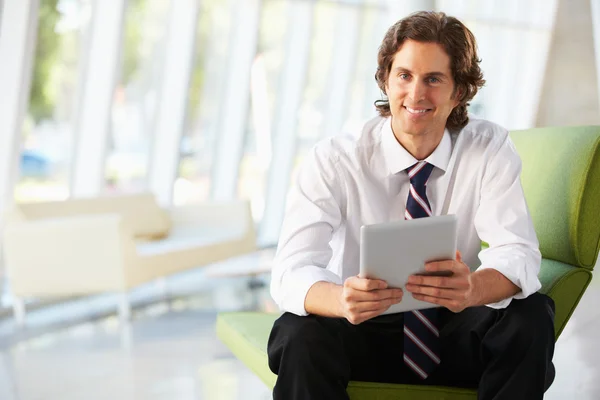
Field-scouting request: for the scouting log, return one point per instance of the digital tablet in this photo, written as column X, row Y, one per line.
column 393, row 251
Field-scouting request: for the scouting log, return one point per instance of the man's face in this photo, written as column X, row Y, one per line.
column 420, row 89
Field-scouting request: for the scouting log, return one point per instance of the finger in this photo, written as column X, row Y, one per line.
column 355, row 295
column 440, row 293
column 368, row 306
column 458, row 256
column 381, row 294
column 435, row 300
column 372, row 314
column 365, row 316
column 365, row 284
column 448, row 282
column 374, row 295
column 447, row 265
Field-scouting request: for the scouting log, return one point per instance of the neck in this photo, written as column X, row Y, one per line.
column 419, row 146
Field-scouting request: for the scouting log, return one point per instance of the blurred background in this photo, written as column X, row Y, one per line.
column 218, row 100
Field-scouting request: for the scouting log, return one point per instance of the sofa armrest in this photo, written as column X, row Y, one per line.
column 565, row 284
column 68, row 256
column 230, row 216
column 211, row 213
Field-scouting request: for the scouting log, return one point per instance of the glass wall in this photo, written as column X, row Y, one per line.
column 311, row 75
column 199, row 137
column 265, row 86
column 136, row 96
column 48, row 128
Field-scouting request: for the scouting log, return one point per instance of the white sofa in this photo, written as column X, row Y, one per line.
column 86, row 246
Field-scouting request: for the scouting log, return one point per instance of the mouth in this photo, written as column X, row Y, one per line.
column 417, row 111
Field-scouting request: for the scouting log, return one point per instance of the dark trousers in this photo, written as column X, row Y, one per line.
column 504, row 353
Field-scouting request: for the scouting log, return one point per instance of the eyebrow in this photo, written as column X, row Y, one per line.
column 434, row 73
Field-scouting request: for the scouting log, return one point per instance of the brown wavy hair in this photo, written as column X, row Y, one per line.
column 458, row 42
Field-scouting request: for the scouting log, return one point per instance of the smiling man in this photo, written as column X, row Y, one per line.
column 422, row 156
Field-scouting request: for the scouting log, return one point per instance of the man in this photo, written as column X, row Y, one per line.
column 422, row 156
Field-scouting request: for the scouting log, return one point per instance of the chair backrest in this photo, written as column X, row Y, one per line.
column 561, row 180
column 144, row 216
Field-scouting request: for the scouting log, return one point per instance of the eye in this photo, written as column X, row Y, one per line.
column 433, row 80
column 403, row 76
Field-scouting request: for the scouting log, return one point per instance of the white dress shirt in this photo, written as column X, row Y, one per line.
column 345, row 183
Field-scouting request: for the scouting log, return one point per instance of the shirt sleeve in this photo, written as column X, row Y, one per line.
column 313, row 213
column 503, row 221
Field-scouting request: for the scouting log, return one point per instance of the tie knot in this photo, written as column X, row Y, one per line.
column 419, row 173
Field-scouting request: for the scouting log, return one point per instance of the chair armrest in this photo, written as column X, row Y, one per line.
column 565, row 284
column 68, row 256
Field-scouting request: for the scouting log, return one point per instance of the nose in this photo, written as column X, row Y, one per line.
column 417, row 90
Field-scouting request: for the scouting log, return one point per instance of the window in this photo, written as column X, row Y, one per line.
column 48, row 126
column 136, row 95
column 198, row 143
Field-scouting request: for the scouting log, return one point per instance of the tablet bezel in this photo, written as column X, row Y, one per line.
column 392, row 251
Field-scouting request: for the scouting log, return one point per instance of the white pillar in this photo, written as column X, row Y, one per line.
column 293, row 78
column 100, row 77
column 171, row 109
column 572, row 101
column 234, row 110
column 341, row 68
column 18, row 28
column 203, row 128
column 385, row 19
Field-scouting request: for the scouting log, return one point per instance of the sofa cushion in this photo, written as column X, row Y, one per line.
column 184, row 239
column 188, row 247
column 143, row 215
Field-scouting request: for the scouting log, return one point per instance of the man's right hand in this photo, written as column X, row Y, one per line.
column 362, row 299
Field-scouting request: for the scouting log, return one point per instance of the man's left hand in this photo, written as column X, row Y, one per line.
column 454, row 292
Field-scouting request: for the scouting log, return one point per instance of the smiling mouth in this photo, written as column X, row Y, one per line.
column 417, row 111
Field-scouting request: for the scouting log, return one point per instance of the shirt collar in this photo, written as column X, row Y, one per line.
column 398, row 158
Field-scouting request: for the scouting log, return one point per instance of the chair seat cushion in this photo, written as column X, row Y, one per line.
column 246, row 334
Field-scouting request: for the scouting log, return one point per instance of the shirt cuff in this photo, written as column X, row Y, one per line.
column 527, row 284
column 296, row 283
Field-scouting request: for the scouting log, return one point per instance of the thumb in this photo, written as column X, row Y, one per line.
column 458, row 256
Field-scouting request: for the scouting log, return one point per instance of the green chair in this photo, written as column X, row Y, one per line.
column 561, row 179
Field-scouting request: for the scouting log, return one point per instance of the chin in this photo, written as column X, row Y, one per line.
column 412, row 128
column 414, row 132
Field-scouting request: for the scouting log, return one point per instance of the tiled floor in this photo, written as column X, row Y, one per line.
column 171, row 352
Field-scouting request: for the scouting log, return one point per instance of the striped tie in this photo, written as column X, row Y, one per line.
column 421, row 335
